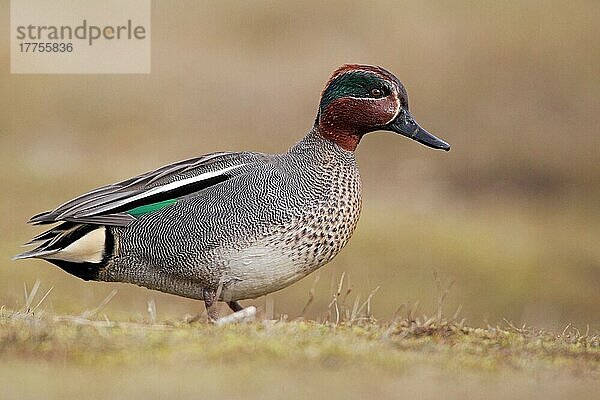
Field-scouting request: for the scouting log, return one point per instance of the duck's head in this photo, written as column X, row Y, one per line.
column 359, row 99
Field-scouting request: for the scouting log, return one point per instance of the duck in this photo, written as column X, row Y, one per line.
column 231, row 226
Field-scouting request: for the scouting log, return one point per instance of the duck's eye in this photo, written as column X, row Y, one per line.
column 376, row 93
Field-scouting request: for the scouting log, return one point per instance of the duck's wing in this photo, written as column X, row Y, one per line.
column 120, row 203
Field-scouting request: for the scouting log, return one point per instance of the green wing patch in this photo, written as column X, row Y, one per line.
column 148, row 208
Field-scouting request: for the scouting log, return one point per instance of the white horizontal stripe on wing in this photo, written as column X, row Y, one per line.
column 163, row 189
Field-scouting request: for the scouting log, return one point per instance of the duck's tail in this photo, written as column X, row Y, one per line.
column 80, row 249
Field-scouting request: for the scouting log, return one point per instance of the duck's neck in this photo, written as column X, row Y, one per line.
column 315, row 144
column 338, row 124
column 346, row 139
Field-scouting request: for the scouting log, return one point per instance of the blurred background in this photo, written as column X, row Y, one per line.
column 511, row 215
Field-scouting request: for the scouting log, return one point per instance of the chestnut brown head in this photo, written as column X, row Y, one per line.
column 359, row 99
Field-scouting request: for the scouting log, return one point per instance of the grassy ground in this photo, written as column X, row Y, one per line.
column 350, row 356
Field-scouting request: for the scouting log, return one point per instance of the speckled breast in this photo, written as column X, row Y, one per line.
column 307, row 242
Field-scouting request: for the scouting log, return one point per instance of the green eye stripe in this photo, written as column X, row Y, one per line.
column 353, row 84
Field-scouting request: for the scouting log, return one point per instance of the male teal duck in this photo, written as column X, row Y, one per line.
column 235, row 225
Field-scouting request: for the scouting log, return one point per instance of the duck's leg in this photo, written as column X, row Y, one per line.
column 235, row 306
column 210, row 302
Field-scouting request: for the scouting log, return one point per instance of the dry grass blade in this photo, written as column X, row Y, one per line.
column 334, row 301
column 93, row 312
column 338, row 311
column 152, row 311
column 28, row 307
column 39, row 303
column 366, row 304
column 269, row 307
column 29, row 296
column 442, row 294
column 311, row 296
column 355, row 308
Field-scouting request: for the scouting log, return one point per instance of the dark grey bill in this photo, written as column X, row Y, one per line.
column 405, row 125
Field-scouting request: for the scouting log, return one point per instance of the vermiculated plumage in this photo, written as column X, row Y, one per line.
column 292, row 212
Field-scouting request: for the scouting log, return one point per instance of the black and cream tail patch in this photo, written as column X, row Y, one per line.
column 81, row 250
column 88, row 248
